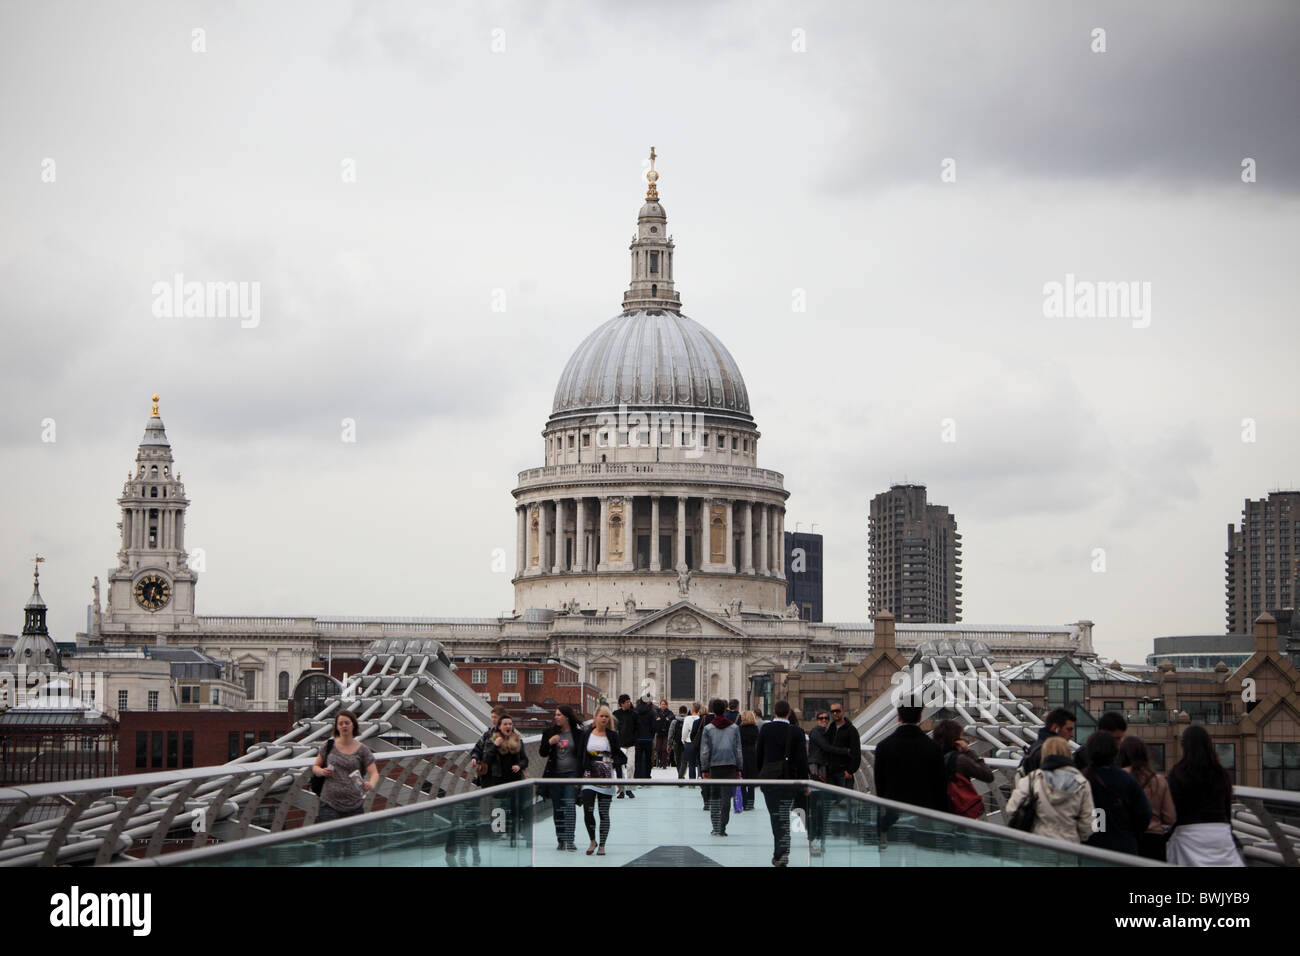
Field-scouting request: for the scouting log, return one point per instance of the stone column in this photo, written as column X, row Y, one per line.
column 180, row 531
column 780, row 542
column 521, row 539
column 654, row 533
column 580, row 536
column 604, row 532
column 681, row 533
column 764, row 552
column 731, row 543
column 559, row 537
column 747, row 552
column 530, row 536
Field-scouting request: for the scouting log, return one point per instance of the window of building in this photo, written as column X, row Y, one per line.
column 509, row 698
column 735, row 443
column 123, row 697
column 190, row 694
column 572, row 442
column 1157, row 754
column 1115, row 705
column 153, row 700
column 141, row 750
column 187, row 749
column 216, row 696
column 654, row 263
column 536, row 677
column 478, row 676
column 173, row 750
column 586, row 439
column 1281, row 765
column 510, row 676
column 284, row 685
column 156, row 749
column 250, row 739
column 706, row 439
column 232, row 745
column 250, row 684
column 1227, row 754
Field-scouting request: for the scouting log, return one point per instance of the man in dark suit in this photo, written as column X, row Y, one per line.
column 777, row 739
column 909, row 766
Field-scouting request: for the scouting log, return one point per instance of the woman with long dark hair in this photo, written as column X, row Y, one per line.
column 958, row 758
column 1125, row 809
column 504, row 754
column 1202, row 794
column 1134, row 758
column 563, row 746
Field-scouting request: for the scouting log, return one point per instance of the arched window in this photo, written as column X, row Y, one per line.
column 284, row 685
column 153, row 472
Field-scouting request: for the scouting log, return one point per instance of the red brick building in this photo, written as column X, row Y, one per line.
column 520, row 684
column 179, row 740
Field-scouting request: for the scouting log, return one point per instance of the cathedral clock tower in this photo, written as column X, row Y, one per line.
column 152, row 588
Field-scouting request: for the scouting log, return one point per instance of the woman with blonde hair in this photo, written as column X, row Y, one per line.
column 748, row 745
column 601, row 761
column 1063, row 797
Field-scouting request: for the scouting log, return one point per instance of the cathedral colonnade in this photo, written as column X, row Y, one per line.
column 585, row 534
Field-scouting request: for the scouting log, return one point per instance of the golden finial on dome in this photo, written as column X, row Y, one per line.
column 36, row 575
column 652, row 194
column 155, row 404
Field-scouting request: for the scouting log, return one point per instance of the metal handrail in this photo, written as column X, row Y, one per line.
column 978, row 826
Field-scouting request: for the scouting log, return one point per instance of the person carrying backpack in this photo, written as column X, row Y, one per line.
column 675, row 741
column 962, row 766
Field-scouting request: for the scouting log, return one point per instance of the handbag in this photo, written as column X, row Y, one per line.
column 318, row 783
column 600, row 770
column 1027, row 812
column 777, row 769
column 738, row 801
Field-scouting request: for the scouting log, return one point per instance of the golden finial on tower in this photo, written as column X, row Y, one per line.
column 155, row 404
column 36, row 575
column 652, row 194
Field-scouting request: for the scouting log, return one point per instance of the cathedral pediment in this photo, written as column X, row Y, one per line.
column 682, row 619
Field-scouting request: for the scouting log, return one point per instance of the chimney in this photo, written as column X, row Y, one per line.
column 883, row 631
column 1265, row 633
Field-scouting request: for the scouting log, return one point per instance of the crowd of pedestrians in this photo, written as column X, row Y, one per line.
column 1105, row 793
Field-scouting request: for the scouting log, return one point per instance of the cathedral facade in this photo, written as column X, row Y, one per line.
column 649, row 542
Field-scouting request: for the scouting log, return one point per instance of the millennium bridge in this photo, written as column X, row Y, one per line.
column 258, row 810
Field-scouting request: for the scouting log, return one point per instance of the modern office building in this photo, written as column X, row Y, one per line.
column 914, row 561
column 1263, row 559
column 803, row 573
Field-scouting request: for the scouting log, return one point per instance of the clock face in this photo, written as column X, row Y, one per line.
column 152, row 592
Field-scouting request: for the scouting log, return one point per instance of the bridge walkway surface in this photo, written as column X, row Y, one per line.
column 664, row 824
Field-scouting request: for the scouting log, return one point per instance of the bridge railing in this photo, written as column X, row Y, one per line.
column 511, row 825
column 1265, row 822
column 100, row 820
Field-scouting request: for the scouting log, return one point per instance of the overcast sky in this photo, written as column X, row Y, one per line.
column 501, row 146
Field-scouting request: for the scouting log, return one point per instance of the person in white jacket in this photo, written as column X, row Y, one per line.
column 1064, row 805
